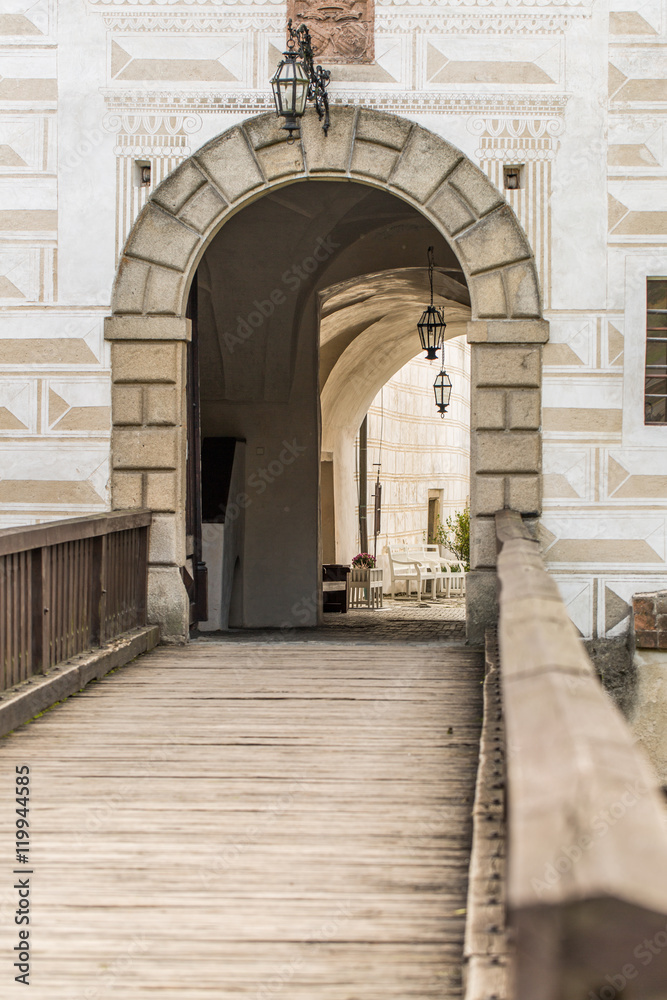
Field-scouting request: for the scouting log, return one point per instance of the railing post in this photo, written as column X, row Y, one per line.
column 54, row 579
column 99, row 592
column 40, row 611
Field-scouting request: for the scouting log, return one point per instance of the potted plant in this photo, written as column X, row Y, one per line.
column 364, row 560
column 365, row 582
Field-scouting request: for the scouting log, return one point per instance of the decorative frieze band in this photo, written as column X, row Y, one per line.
column 198, row 21
column 132, row 123
column 152, row 135
column 251, row 102
column 539, row 4
column 459, row 21
column 510, row 139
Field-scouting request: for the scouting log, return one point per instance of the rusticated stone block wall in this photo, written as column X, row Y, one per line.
column 149, row 450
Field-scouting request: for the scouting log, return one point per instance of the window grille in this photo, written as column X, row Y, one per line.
column 655, row 386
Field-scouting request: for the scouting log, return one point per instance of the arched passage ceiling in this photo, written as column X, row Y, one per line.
column 376, row 247
column 368, row 332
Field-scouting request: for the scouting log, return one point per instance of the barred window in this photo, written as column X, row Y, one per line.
column 655, row 391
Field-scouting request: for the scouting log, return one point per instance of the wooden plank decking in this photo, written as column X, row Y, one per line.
column 245, row 822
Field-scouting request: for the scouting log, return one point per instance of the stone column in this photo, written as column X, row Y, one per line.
column 148, row 450
column 505, row 446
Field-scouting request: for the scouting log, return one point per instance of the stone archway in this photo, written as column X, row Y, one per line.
column 148, row 329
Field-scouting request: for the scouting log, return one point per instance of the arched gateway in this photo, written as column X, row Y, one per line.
column 149, row 330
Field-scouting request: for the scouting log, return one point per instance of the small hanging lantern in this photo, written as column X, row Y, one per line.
column 432, row 324
column 297, row 80
column 442, row 387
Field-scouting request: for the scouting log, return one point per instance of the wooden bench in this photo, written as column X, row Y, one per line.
column 421, row 563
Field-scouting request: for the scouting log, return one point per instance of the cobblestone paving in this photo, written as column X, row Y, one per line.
column 400, row 620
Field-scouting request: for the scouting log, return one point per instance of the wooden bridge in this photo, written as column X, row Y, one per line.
column 318, row 819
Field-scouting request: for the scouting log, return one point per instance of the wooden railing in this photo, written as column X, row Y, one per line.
column 587, row 871
column 67, row 586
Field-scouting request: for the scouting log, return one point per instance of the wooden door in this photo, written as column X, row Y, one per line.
column 196, row 583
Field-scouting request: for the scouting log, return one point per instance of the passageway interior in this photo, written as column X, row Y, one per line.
column 306, row 304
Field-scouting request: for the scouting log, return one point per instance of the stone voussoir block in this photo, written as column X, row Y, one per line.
column 508, row 451
column 523, row 290
column 230, row 163
column 510, row 365
column 281, row 160
column 126, row 405
column 450, row 211
column 495, row 240
column 487, row 297
column 179, row 186
column 165, row 292
column 379, row 127
column 154, row 361
column 160, row 238
column 328, row 153
column 130, row 286
column 265, row 130
column 205, row 208
column 424, row 163
column 145, row 448
column 373, row 160
column 476, row 188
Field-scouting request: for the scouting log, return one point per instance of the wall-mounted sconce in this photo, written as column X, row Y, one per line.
column 298, row 80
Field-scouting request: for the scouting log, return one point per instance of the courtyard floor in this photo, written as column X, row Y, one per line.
column 399, row 620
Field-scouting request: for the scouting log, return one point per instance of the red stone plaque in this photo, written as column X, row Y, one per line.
column 342, row 30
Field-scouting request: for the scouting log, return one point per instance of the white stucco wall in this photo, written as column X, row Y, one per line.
column 418, row 450
column 89, row 87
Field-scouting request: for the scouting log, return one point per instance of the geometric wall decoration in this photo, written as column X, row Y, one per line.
column 487, row 61
column 577, row 594
column 75, row 406
column 148, row 58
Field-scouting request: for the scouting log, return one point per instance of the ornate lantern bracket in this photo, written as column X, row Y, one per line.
column 297, row 80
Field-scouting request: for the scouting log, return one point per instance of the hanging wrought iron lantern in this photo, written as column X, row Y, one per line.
column 297, row 80
column 442, row 387
column 432, row 324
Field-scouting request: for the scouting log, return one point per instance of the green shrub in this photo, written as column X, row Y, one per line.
column 458, row 535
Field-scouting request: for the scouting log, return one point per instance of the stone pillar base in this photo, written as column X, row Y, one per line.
column 481, row 604
column 168, row 604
